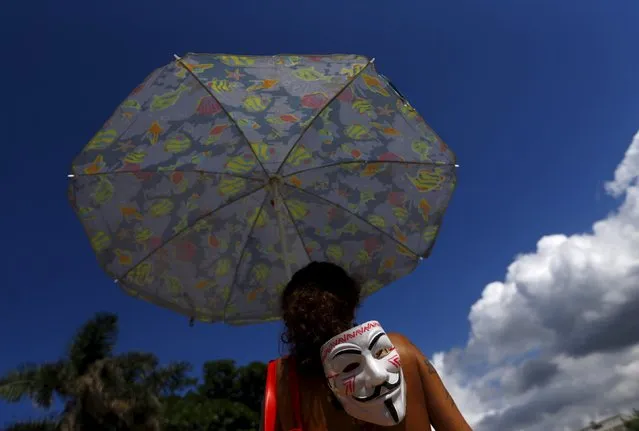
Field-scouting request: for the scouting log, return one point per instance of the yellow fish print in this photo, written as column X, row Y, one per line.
column 230, row 186
column 422, row 148
column 258, row 218
column 260, row 272
column 298, row 209
column 426, row 180
column 309, row 74
column 135, row 157
column 256, row 103
column 363, row 106
column 177, row 144
column 353, row 70
column 142, row 274
column 161, row 207
column 237, row 60
column 358, row 132
column 223, row 267
column 131, row 104
column 143, row 235
column 100, row 242
column 102, row 140
column 222, row 85
column 173, row 284
column 299, row 155
column 240, row 164
column 262, row 151
column 103, row 192
column 430, row 233
column 377, row 221
column 168, row 99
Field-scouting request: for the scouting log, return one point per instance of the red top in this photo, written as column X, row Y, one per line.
column 270, row 395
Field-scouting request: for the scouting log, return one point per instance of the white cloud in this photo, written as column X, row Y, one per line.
column 556, row 343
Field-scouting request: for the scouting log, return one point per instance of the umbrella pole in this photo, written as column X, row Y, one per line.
column 279, row 211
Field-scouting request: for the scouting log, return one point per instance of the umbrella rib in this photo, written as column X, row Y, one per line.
column 242, row 253
column 357, row 216
column 194, row 171
column 179, row 233
column 368, row 162
column 310, row 123
column 297, row 230
column 181, row 63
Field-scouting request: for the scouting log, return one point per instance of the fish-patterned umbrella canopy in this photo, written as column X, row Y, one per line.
column 220, row 175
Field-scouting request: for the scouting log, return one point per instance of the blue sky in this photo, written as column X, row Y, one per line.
column 537, row 99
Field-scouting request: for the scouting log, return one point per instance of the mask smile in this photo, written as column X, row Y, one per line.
column 377, row 392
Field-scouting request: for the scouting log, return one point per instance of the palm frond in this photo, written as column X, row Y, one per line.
column 94, row 341
column 37, row 382
column 36, row 425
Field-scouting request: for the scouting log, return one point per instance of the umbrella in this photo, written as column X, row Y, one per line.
column 221, row 175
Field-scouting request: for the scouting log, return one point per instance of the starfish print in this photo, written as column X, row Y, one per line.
column 385, row 110
column 123, row 234
column 126, row 146
column 235, row 74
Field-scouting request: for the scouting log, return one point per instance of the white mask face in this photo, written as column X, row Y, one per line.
column 364, row 372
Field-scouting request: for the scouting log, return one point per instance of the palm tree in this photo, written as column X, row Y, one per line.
column 100, row 390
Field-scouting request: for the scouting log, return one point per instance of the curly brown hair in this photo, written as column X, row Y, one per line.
column 318, row 303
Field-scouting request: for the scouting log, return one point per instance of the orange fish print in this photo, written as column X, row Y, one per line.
column 124, row 258
column 131, row 212
column 265, row 84
column 296, row 181
column 424, row 207
column 388, row 263
column 154, row 132
column 371, row 169
column 375, row 85
column 96, row 166
column 217, row 130
column 213, row 241
column 391, row 131
column 400, row 235
column 289, row 118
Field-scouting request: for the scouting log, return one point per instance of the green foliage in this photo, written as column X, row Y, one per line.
column 131, row 391
column 632, row 423
column 39, row 425
column 229, row 398
column 195, row 412
column 100, row 390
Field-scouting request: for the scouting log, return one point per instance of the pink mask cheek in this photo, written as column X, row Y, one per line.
column 393, row 362
column 348, row 386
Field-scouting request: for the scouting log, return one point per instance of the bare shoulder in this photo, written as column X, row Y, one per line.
column 404, row 346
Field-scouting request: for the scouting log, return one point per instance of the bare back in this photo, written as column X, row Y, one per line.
column 428, row 401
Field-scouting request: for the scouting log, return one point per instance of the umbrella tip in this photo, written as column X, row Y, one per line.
column 456, row 165
column 70, row 176
column 177, row 57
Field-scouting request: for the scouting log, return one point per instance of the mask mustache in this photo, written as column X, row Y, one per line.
column 378, row 390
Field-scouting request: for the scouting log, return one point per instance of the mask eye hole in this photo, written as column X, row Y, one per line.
column 350, row 367
column 382, row 352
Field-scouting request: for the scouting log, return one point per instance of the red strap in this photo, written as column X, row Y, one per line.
column 270, row 396
column 295, row 393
